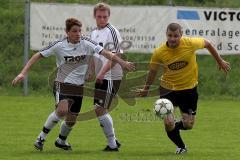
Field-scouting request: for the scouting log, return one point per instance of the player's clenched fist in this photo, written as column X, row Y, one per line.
column 17, row 79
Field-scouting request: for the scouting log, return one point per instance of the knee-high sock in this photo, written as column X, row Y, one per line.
column 51, row 121
column 179, row 125
column 64, row 130
column 175, row 137
column 107, row 124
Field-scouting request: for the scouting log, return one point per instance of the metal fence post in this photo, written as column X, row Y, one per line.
column 170, row 3
column 26, row 42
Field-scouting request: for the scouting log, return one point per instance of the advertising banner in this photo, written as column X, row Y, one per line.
column 143, row 26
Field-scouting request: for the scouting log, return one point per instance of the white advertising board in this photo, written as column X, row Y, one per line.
column 144, row 26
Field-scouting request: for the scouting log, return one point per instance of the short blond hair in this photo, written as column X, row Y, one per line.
column 102, row 7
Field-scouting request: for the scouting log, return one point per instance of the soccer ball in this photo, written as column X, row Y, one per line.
column 163, row 107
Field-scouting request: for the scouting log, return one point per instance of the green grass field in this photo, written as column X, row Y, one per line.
column 214, row 137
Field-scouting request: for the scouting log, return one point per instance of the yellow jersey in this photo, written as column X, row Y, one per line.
column 180, row 69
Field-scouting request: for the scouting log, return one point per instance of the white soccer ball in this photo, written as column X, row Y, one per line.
column 163, row 107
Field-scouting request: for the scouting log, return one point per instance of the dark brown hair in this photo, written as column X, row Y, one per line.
column 71, row 22
column 174, row 27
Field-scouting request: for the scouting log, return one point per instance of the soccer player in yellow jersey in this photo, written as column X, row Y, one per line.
column 180, row 78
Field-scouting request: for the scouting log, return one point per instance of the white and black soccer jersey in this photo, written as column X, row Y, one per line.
column 72, row 59
column 110, row 39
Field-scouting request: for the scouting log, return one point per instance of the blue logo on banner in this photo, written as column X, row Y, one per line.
column 190, row 15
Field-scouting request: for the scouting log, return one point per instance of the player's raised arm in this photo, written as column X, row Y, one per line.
column 224, row 65
column 125, row 64
column 26, row 68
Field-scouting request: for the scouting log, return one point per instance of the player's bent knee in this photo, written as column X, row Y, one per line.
column 71, row 119
column 61, row 113
column 62, row 108
column 100, row 111
column 70, row 123
column 188, row 125
column 169, row 125
column 188, row 121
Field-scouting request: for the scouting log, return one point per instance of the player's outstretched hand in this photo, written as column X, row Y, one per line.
column 129, row 66
column 141, row 92
column 225, row 66
column 17, row 79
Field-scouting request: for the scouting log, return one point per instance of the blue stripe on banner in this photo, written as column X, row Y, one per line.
column 184, row 14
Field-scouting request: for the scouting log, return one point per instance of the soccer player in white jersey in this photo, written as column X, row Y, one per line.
column 109, row 74
column 72, row 55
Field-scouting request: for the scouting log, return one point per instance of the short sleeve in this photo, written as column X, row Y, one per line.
column 155, row 60
column 49, row 50
column 92, row 44
column 197, row 43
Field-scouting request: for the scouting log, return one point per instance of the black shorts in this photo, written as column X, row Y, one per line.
column 105, row 91
column 72, row 93
column 186, row 100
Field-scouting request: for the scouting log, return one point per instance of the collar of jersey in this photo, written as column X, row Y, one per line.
column 104, row 27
